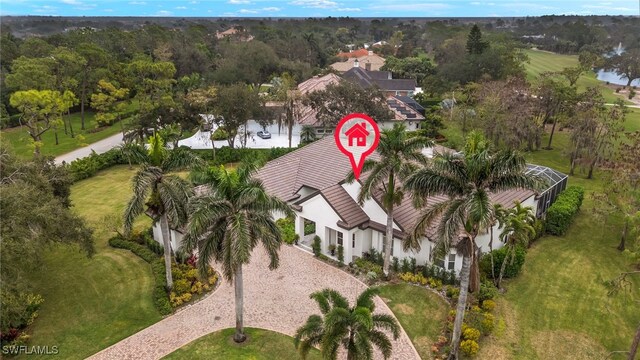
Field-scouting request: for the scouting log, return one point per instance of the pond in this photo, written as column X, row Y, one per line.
column 611, row 76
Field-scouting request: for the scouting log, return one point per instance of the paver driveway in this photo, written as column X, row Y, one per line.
column 275, row 300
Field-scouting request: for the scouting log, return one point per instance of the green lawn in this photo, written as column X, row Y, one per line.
column 421, row 313
column 543, row 61
column 93, row 303
column 20, row 139
column 260, row 345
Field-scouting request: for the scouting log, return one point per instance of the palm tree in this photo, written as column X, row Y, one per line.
column 517, row 229
column 292, row 111
column 400, row 156
column 467, row 180
column 355, row 328
column 133, row 152
column 165, row 196
column 307, row 134
column 231, row 216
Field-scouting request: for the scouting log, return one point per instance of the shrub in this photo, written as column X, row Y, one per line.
column 368, row 266
column 470, row 333
column 181, row 286
column 317, row 246
column 405, row 266
column 309, row 227
column 453, row 292
column 372, row 276
column 86, row 167
column 469, row 347
column 488, row 305
column 632, row 93
column 487, row 291
column 512, row 269
column 488, row 323
column 155, row 246
column 287, row 229
column 341, row 254
column 395, row 264
column 561, row 213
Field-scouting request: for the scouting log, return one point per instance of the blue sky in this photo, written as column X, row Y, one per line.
column 313, row 8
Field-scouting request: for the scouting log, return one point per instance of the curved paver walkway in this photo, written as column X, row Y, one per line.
column 275, row 300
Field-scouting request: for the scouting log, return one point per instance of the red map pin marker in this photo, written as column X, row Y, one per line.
column 357, row 136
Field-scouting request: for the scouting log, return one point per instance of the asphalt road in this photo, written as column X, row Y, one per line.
column 100, row 147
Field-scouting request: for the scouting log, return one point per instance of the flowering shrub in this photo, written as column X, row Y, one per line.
column 488, row 323
column 469, row 347
column 470, row 333
column 488, row 305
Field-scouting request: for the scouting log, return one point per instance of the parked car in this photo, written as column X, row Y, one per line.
column 264, row 134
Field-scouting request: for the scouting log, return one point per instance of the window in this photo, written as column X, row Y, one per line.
column 452, row 262
column 353, row 241
column 339, row 238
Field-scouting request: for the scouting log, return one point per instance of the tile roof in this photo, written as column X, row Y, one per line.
column 354, row 53
column 382, row 79
column 374, row 61
column 321, row 166
column 349, row 211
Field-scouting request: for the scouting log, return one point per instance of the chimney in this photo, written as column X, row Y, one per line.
column 367, row 66
column 389, row 75
column 356, row 63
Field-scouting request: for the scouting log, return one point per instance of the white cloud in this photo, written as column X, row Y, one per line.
column 349, row 9
column 239, row 2
column 163, row 13
column 318, row 4
column 108, row 10
column 424, row 6
column 193, row 2
column 247, row 11
column 181, row 8
column 137, row 3
column 72, row 2
column 270, row 9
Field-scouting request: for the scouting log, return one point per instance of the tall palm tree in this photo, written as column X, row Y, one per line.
column 467, row 180
column 165, row 196
column 517, row 229
column 228, row 219
column 400, row 156
column 356, row 328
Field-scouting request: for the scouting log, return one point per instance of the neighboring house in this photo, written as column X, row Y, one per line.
column 382, row 79
column 402, row 112
column 312, row 180
column 235, row 33
column 368, row 61
column 354, row 53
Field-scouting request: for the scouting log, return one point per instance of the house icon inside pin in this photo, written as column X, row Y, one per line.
column 359, row 133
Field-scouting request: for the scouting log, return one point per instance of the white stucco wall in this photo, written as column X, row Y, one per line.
column 370, row 207
column 176, row 237
column 319, row 211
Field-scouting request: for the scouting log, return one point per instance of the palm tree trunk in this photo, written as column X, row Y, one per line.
column 388, row 242
column 503, row 267
column 493, row 273
column 461, row 307
column 55, row 133
column 474, row 277
column 239, row 336
column 164, row 227
column 634, row 345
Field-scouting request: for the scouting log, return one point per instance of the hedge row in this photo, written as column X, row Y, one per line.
column 160, row 297
column 225, row 154
column 561, row 213
column 88, row 166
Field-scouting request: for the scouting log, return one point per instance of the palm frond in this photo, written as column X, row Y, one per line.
column 142, row 185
